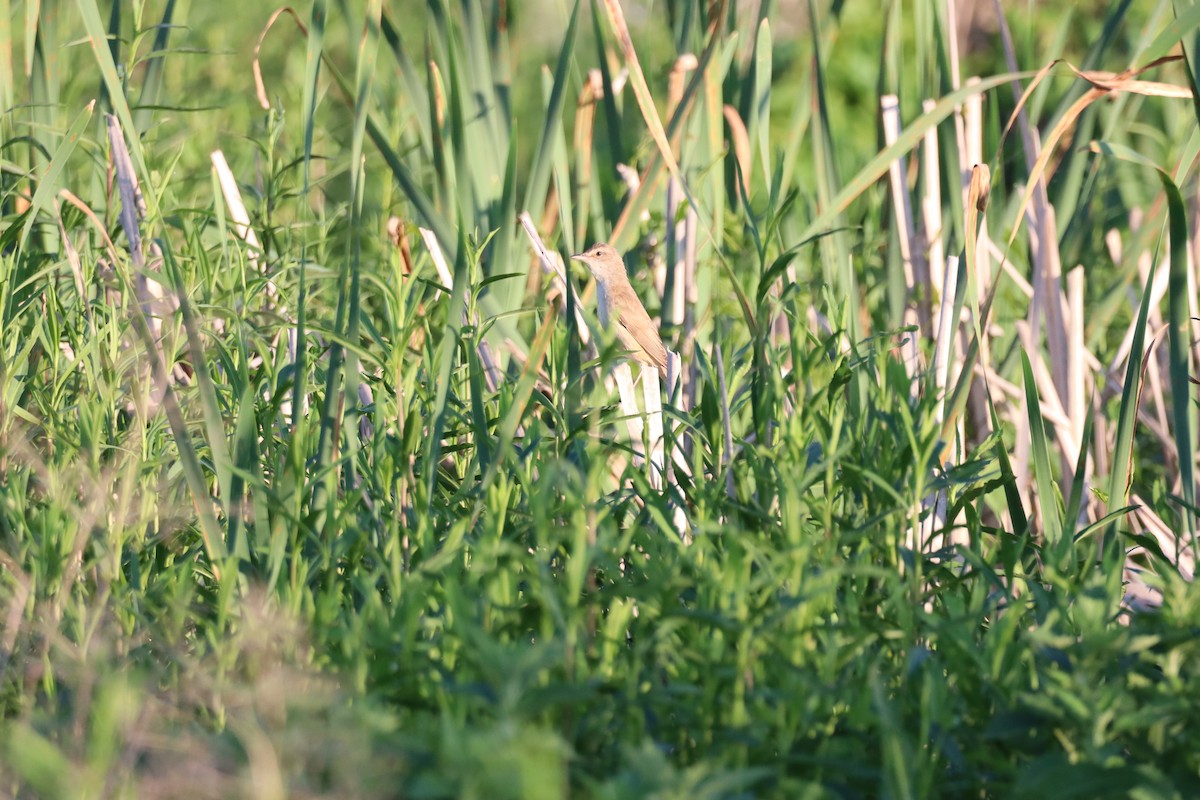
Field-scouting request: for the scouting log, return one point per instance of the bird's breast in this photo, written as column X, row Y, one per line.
column 602, row 302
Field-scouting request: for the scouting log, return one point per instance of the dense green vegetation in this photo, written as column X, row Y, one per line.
column 288, row 511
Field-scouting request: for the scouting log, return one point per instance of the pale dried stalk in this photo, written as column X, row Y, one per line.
column 1168, row 541
column 1156, row 295
column 260, row 87
column 723, row 391
column 1010, row 390
column 936, row 504
column 1077, row 371
column 688, row 344
column 1139, row 595
column 629, row 407
column 902, row 207
column 552, row 267
column 585, row 116
column 439, row 258
column 901, row 203
column 652, row 397
column 674, row 289
column 1052, row 406
column 973, row 134
column 970, row 122
column 946, row 328
column 238, row 213
column 931, row 205
column 1043, row 236
column 243, row 230
column 1112, row 241
column 1008, row 269
column 961, row 126
column 681, row 272
column 152, row 299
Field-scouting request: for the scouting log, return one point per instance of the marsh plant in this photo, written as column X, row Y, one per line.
column 319, row 475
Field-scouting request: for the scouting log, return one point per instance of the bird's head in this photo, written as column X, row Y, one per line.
column 604, row 262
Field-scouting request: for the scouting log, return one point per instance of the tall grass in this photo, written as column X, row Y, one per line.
column 313, row 477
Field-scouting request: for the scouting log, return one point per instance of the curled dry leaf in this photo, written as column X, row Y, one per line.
column 260, row 88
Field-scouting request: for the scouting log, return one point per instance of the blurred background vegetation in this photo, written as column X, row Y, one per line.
column 290, row 509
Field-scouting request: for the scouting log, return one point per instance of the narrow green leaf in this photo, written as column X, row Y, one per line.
column 152, row 80
column 8, row 68
column 760, row 112
column 446, row 353
column 1179, row 332
column 612, row 116
column 48, row 185
column 1179, row 345
column 1047, row 488
column 417, row 96
column 308, row 110
column 1075, row 502
column 543, row 156
column 98, row 40
column 245, row 453
column 909, row 138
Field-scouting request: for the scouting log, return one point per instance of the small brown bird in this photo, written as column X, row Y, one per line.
column 621, row 309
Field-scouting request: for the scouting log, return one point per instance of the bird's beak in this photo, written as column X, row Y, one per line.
column 577, row 257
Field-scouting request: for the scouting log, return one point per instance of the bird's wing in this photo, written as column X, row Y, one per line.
column 637, row 325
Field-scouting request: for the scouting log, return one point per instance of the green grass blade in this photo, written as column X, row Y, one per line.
column 1179, row 338
column 245, row 454
column 758, row 123
column 1075, row 502
column 1012, row 496
column 561, row 174
column 909, row 138
column 445, row 361
column 1179, row 346
column 1052, row 528
column 543, row 158
column 623, row 231
column 612, row 115
column 8, row 67
column 413, row 84
column 153, row 79
column 50, row 183
column 98, row 40
column 214, row 418
column 834, row 249
column 1174, row 33
column 308, row 109
column 114, row 49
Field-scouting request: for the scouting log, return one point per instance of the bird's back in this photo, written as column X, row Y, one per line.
column 634, row 328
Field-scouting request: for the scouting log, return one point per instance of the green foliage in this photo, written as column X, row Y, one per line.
column 380, row 532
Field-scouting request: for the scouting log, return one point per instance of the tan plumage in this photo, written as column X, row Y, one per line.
column 621, row 309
